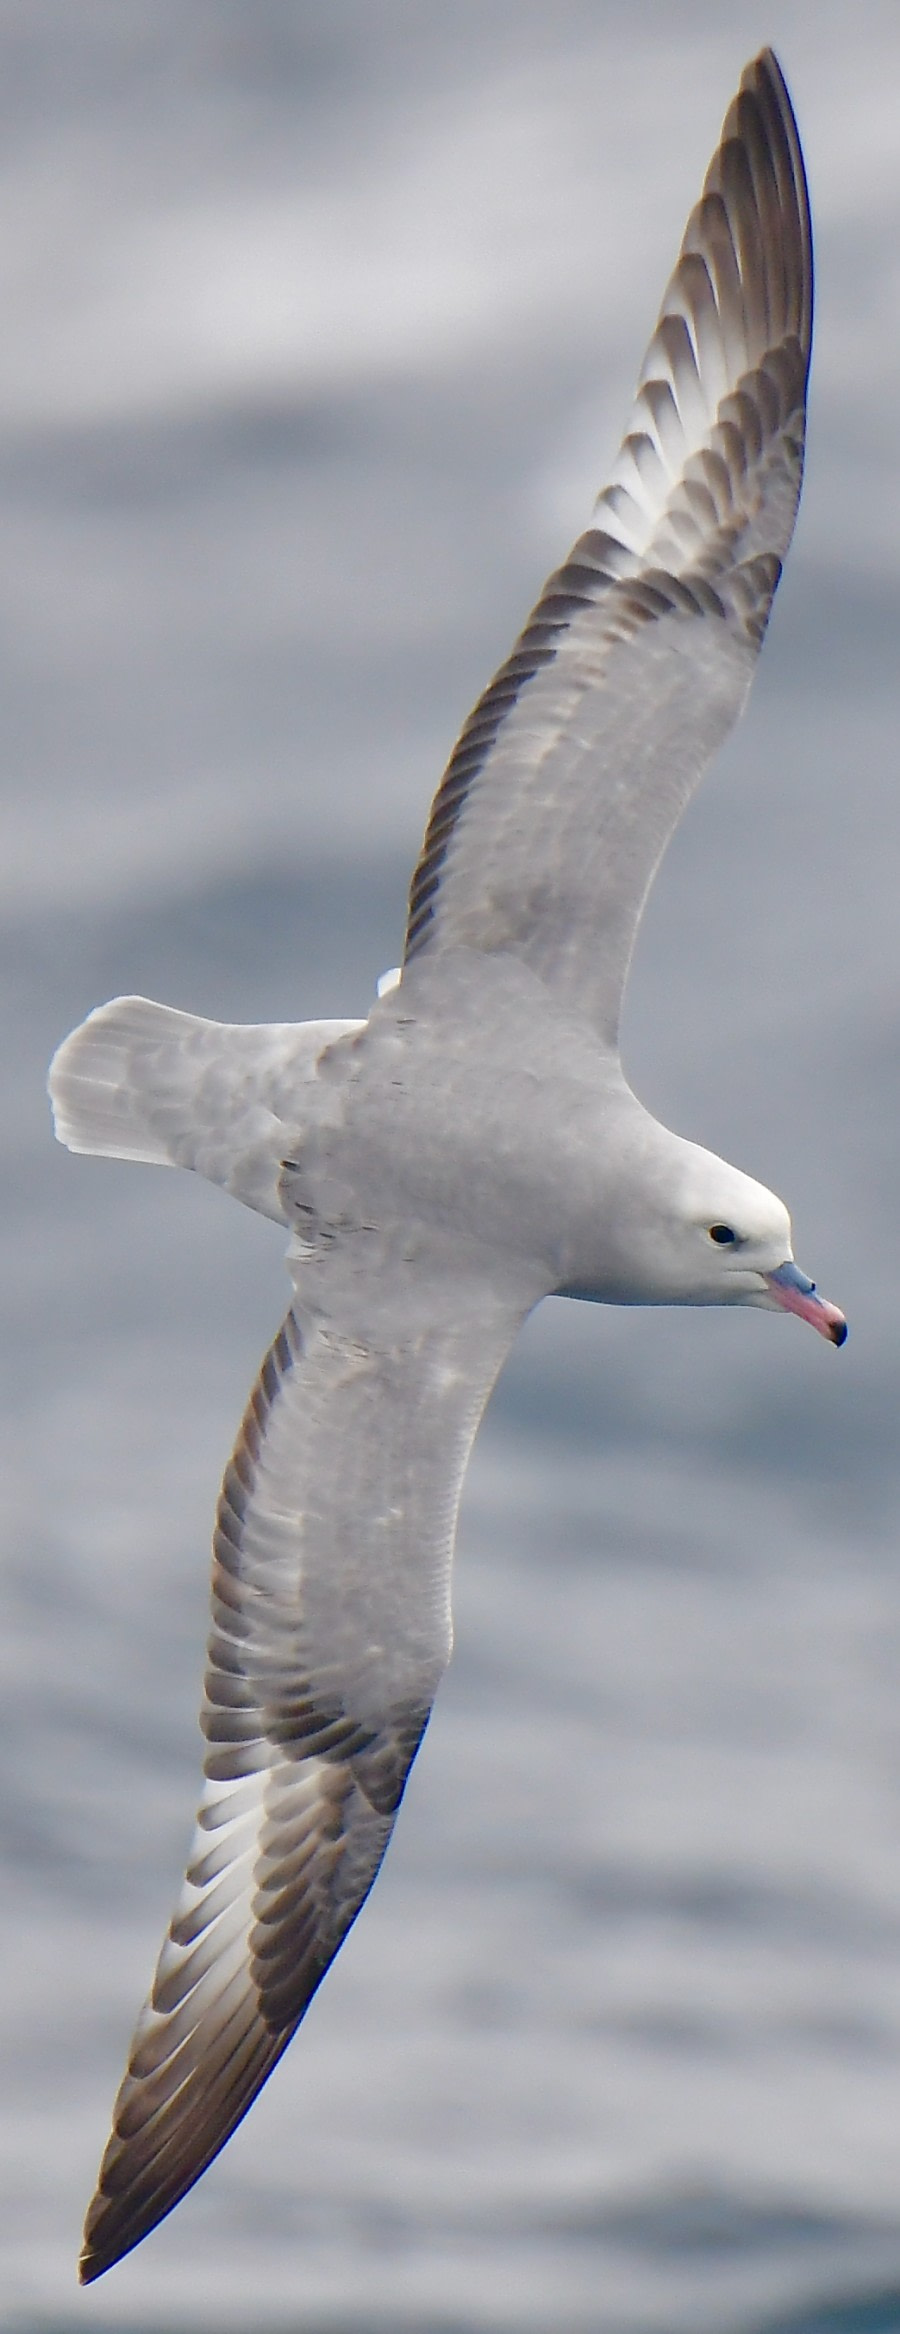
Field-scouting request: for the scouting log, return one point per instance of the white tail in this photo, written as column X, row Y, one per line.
column 142, row 1081
column 112, row 1080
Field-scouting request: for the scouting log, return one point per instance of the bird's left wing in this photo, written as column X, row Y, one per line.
column 331, row 1628
column 576, row 764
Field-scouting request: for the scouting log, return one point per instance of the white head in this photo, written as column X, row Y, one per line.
column 694, row 1231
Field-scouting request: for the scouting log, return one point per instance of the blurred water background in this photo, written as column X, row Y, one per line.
column 319, row 330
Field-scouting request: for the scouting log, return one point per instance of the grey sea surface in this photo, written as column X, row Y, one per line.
column 320, row 327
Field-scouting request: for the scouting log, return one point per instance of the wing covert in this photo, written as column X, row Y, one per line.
column 572, row 771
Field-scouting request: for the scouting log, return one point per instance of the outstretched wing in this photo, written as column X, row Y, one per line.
column 331, row 1628
column 571, row 774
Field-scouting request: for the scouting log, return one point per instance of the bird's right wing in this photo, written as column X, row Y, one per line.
column 330, row 1632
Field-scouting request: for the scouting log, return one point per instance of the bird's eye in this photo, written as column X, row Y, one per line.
column 723, row 1235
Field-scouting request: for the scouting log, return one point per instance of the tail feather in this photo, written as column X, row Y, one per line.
column 142, row 1081
column 113, row 1083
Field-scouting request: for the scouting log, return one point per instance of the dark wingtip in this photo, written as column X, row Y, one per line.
column 763, row 79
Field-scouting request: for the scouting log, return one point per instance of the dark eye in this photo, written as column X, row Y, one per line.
column 723, row 1235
